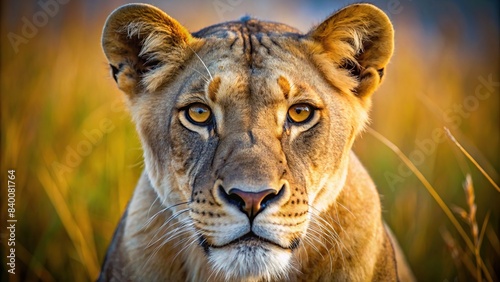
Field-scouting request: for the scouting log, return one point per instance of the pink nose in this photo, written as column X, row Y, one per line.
column 251, row 202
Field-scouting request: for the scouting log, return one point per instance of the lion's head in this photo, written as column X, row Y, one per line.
column 247, row 125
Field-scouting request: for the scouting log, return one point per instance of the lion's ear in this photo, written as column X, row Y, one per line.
column 142, row 43
column 358, row 39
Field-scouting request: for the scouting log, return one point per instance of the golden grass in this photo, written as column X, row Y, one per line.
column 469, row 217
column 83, row 243
column 57, row 90
column 454, row 140
column 426, row 184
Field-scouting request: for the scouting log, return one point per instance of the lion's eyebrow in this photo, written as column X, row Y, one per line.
column 290, row 89
column 284, row 85
column 190, row 98
column 209, row 89
column 297, row 91
column 303, row 93
column 213, row 87
column 195, row 87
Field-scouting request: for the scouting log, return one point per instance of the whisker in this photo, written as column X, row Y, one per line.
column 213, row 273
column 211, row 78
column 341, row 228
column 334, row 243
column 328, row 224
column 165, row 224
column 185, row 229
column 164, row 235
column 204, row 77
column 193, row 238
column 330, row 230
column 176, row 232
column 150, row 219
column 317, row 213
column 311, row 241
column 300, row 258
column 152, row 204
column 158, row 248
column 348, row 210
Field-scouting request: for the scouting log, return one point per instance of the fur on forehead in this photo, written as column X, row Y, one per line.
column 147, row 48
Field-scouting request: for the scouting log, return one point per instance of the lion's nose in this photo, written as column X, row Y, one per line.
column 252, row 203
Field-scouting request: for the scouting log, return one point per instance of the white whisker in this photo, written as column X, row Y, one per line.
column 183, row 229
column 348, row 210
column 192, row 238
column 202, row 75
column 165, row 224
column 211, row 78
column 150, row 219
column 329, row 232
column 152, row 204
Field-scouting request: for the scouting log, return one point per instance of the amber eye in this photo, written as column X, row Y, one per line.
column 300, row 113
column 199, row 114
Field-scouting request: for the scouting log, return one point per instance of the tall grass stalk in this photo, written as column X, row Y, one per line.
column 473, row 247
column 86, row 249
column 452, row 138
column 426, row 184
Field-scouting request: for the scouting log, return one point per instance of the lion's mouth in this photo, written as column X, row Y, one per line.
column 249, row 240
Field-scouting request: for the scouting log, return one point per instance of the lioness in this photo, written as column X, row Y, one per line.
column 247, row 128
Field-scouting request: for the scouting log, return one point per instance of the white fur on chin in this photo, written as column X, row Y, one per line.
column 250, row 261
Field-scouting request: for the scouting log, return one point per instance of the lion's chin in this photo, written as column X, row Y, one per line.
column 250, row 260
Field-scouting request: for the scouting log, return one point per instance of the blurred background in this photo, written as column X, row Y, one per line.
column 66, row 133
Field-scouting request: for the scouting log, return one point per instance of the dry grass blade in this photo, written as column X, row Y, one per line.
column 458, row 256
column 39, row 270
column 481, row 236
column 89, row 258
column 462, row 213
column 470, row 196
column 493, row 239
column 470, row 200
column 452, row 138
column 426, row 184
column 440, row 114
column 470, row 219
column 483, row 229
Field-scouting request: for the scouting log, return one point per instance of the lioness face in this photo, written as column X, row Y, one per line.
column 246, row 128
column 249, row 147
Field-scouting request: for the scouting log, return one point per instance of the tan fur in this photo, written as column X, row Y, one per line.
column 251, row 195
